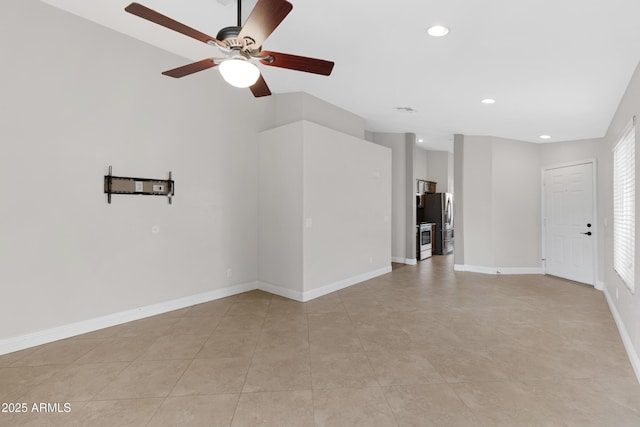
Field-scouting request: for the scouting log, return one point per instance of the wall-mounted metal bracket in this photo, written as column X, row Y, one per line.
column 142, row 186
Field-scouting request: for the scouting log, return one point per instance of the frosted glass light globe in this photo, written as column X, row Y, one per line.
column 239, row 72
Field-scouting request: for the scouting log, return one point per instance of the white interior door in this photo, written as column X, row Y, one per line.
column 569, row 226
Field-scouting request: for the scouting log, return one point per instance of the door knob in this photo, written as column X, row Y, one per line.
column 588, row 233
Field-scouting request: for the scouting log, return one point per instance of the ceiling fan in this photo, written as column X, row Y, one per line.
column 241, row 45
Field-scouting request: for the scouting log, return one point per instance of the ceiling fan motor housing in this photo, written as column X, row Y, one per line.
column 229, row 36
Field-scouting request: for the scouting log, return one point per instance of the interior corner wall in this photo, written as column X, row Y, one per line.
column 501, row 202
column 516, row 204
column 478, row 202
column 280, row 192
column 396, row 142
column 89, row 99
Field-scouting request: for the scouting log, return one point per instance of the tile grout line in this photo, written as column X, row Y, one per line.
column 246, row 375
column 393, row 414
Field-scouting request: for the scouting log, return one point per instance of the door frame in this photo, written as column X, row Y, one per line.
column 594, row 188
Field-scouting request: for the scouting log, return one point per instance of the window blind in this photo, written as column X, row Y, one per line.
column 624, row 201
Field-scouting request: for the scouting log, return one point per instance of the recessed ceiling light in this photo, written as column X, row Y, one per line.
column 420, row 140
column 545, row 136
column 488, row 101
column 438, row 31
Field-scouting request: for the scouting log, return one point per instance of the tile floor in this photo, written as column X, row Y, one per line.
column 421, row 346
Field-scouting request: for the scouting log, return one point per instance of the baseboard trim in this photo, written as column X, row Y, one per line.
column 632, row 353
column 283, row 292
column 599, row 285
column 408, row 261
column 497, row 270
column 22, row 342
column 10, row 345
column 345, row 283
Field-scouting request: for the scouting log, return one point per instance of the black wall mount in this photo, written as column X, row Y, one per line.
column 140, row 186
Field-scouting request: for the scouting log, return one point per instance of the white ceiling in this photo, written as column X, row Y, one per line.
column 556, row 67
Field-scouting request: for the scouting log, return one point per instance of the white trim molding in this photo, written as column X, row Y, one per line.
column 9, row 345
column 632, row 353
column 345, row 283
column 321, row 291
column 33, row 339
column 280, row 291
column 408, row 261
column 498, row 270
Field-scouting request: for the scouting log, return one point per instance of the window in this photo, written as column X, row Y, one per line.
column 624, row 201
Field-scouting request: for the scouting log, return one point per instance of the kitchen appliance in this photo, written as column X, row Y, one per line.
column 439, row 210
column 425, row 240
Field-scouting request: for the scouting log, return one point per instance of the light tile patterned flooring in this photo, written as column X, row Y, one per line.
column 421, row 346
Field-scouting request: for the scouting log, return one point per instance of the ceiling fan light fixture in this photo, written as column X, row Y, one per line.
column 239, row 72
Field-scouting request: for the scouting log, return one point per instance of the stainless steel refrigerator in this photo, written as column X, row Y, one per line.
column 438, row 208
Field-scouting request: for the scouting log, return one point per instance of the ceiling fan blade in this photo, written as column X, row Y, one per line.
column 260, row 88
column 294, row 62
column 263, row 19
column 190, row 68
column 153, row 16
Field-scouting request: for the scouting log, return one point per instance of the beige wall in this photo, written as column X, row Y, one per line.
column 478, row 202
column 420, row 161
column 626, row 304
column 499, row 206
column 86, row 98
column 516, row 204
column 396, row 142
column 324, row 210
column 347, row 198
column 280, row 215
column 78, row 98
column 440, row 170
column 293, row 107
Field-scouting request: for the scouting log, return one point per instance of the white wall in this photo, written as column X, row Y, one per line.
column 324, row 210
